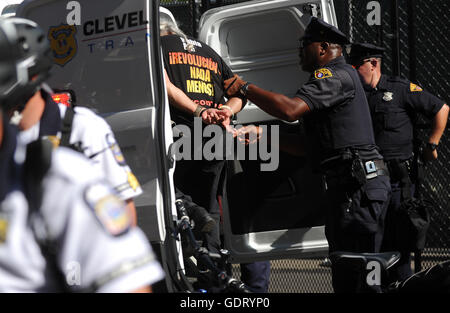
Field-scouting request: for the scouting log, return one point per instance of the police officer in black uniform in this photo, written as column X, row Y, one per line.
column 395, row 104
column 338, row 125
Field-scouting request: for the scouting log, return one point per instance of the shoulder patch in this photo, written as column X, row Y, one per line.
column 4, row 223
column 322, row 73
column 109, row 210
column 54, row 140
column 115, row 149
column 132, row 180
column 414, row 87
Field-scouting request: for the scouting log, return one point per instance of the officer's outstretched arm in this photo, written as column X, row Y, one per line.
column 278, row 105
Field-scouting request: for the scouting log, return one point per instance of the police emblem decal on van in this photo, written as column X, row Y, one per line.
column 63, row 43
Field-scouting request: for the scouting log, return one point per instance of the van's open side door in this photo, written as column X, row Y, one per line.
column 270, row 214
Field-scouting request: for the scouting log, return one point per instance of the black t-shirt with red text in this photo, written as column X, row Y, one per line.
column 196, row 69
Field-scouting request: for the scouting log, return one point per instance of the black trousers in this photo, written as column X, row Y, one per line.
column 355, row 221
column 256, row 276
column 203, row 181
column 402, row 269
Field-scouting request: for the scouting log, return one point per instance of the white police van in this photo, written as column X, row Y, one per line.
column 112, row 62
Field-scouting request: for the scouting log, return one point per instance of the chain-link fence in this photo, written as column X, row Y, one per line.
column 415, row 34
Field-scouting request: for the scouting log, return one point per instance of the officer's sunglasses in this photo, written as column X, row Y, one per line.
column 357, row 66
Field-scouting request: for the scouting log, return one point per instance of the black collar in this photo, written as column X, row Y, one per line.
column 335, row 61
column 382, row 83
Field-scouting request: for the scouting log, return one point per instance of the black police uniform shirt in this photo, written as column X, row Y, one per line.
column 199, row 73
column 394, row 105
column 339, row 116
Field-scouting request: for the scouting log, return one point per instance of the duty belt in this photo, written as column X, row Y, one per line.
column 372, row 168
column 344, row 174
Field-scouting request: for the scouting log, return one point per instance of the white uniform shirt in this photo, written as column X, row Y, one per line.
column 90, row 226
column 97, row 143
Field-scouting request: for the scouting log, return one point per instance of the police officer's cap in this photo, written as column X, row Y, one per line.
column 362, row 51
column 317, row 31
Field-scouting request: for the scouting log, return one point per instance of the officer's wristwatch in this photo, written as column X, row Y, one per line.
column 244, row 88
column 432, row 146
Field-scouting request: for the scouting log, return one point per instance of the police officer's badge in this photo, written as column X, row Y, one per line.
column 63, row 43
column 322, row 73
column 388, row 96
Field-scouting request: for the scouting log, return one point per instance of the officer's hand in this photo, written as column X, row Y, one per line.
column 232, row 85
column 250, row 134
column 429, row 155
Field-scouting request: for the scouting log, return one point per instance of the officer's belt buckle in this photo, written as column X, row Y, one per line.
column 371, row 169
